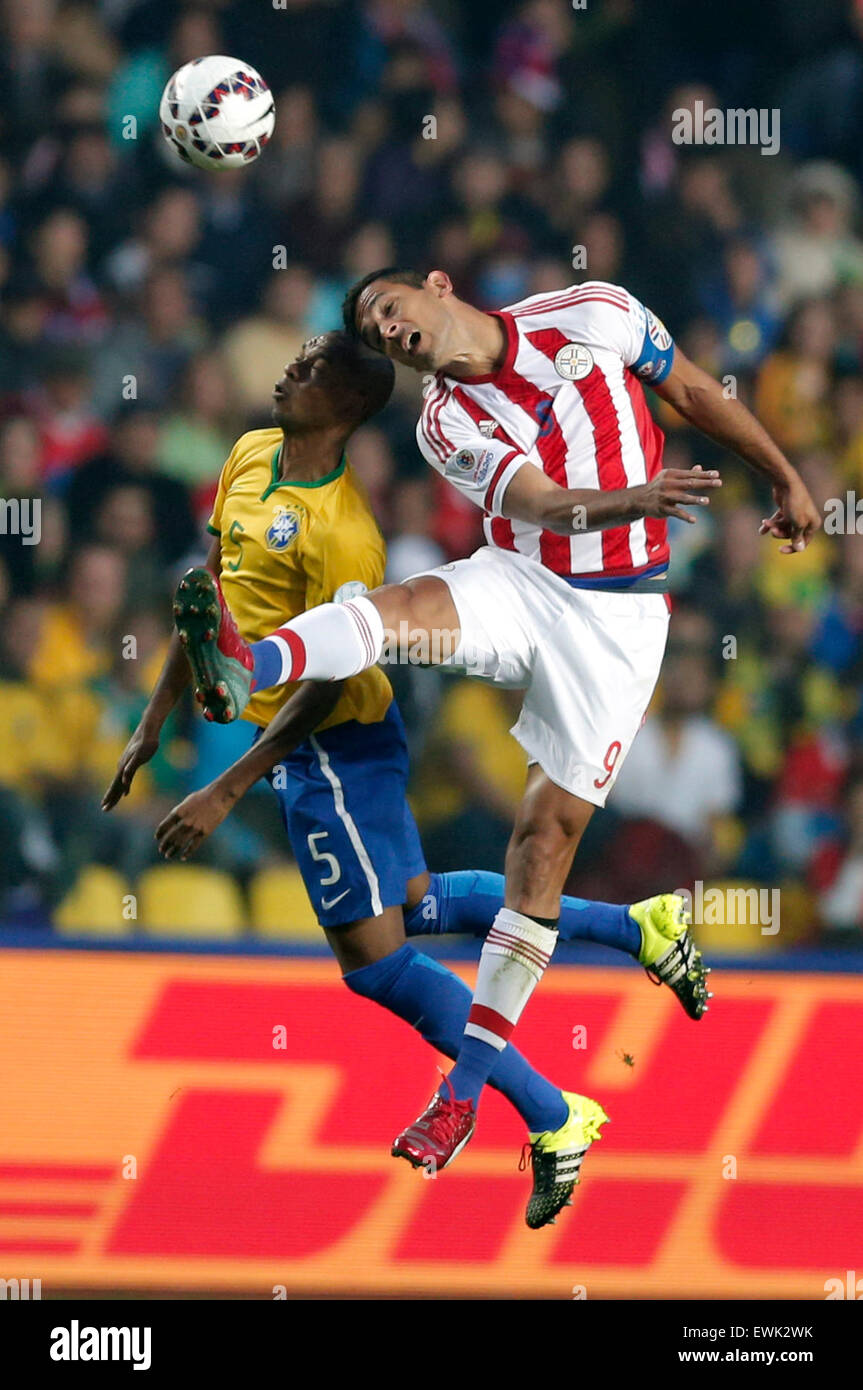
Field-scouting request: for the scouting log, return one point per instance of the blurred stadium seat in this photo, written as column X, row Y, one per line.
column 94, row 905
column 189, row 900
column 280, row 907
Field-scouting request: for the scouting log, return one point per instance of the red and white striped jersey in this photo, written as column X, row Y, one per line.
column 568, row 399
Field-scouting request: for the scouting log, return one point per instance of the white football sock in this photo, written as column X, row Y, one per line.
column 331, row 642
column 514, row 956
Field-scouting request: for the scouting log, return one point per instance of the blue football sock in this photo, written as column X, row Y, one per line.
column 475, row 1062
column 435, row 1002
column 268, row 664
column 468, row 901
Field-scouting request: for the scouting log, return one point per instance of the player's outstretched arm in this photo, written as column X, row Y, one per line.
column 174, row 676
column 702, row 402
column 196, row 817
column 533, row 496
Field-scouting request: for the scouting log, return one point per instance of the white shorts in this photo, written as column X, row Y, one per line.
column 587, row 659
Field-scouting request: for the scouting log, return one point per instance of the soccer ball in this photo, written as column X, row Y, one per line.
column 217, row 113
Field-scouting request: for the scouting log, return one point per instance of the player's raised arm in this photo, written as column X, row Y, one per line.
column 534, row 497
column 702, row 402
column 173, row 678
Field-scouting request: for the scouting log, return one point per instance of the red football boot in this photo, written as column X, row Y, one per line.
column 221, row 661
column 440, row 1133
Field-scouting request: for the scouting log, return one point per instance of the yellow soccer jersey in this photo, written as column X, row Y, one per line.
column 289, row 546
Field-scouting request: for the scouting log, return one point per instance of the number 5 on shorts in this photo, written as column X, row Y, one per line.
column 324, row 856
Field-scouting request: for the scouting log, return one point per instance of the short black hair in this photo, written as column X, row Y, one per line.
column 397, row 274
column 366, row 378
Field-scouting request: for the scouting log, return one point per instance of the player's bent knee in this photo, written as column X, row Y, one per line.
column 394, row 603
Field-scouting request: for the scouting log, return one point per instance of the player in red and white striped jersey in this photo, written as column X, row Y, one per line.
column 568, row 399
column 537, row 413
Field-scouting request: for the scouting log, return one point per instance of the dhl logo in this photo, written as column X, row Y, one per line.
column 199, row 1123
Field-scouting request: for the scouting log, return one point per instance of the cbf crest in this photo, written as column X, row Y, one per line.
column 284, row 528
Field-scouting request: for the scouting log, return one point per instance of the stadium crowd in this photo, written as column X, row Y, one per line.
column 146, row 309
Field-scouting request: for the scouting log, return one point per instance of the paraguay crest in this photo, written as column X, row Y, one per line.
column 573, row 361
column 284, row 528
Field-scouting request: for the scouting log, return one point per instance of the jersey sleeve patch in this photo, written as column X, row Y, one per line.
column 656, row 357
column 470, row 465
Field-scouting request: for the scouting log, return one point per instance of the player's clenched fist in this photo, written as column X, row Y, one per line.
column 663, row 495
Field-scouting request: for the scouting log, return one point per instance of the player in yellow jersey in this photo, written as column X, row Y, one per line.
column 293, row 530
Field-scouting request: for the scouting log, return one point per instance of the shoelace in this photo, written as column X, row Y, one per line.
column 445, row 1114
column 526, row 1156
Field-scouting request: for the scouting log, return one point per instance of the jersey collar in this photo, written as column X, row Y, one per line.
column 290, row 482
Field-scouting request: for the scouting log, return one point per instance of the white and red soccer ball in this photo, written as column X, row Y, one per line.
column 217, row 113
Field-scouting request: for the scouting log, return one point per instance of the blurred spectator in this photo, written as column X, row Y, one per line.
column 76, row 311
column 73, row 644
column 293, row 148
column 791, row 398
column 132, row 458
column 372, row 461
column 413, row 548
column 818, row 250
column 256, row 350
column 169, row 235
column 147, row 351
column 476, row 775
column 322, row 223
column 742, row 302
column 23, row 322
column 70, row 431
column 197, row 436
column 683, row 770
column 843, row 902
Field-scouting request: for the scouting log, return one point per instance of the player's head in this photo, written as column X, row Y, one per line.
column 334, row 381
column 404, row 315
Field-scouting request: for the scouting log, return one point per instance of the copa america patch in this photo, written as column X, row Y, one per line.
column 470, row 464
column 573, row 362
column 283, row 529
column 657, row 332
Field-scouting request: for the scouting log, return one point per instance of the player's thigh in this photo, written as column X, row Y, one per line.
column 345, row 809
column 417, row 608
column 593, row 678
column 491, row 600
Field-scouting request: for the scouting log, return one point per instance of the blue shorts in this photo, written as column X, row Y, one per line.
column 343, row 798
